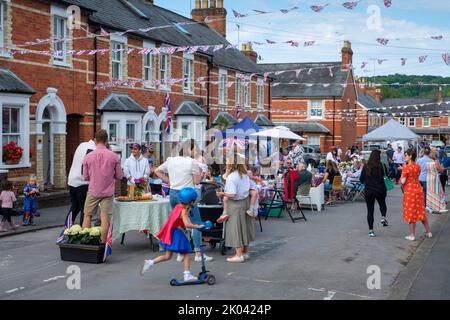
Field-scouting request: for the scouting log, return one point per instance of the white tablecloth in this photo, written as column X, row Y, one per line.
column 140, row 216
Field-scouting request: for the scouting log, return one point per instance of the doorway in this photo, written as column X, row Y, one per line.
column 47, row 151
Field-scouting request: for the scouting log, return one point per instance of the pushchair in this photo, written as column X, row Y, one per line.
column 211, row 209
column 354, row 190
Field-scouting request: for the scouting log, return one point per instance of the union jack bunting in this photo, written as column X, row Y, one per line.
column 171, row 50
column 205, row 48
column 156, row 51
column 422, row 59
column 380, row 61
column 363, row 65
column 108, row 244
column 446, row 57
column 168, row 121
column 67, row 225
column 293, row 43
column 92, row 52
column 103, row 33
column 383, row 41
column 239, row 15
column 309, row 43
column 319, row 8
column 270, row 41
column 403, row 61
column 437, row 37
column 145, row 51
column 258, row 43
column 260, row 11
column 231, row 46
column 182, row 49
column 238, row 111
column 350, row 5
column 218, row 47
column 388, row 3
column 331, row 71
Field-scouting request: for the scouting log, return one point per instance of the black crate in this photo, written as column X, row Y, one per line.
column 82, row 253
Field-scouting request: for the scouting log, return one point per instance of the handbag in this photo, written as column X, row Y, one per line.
column 387, row 182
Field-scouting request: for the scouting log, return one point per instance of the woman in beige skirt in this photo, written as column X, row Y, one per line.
column 239, row 228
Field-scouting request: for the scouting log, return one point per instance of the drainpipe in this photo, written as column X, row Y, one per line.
column 208, row 93
column 95, row 84
column 334, row 118
column 270, row 100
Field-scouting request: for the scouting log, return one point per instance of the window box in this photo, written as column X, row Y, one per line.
column 82, row 253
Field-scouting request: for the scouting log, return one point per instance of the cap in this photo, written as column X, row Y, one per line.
column 136, row 145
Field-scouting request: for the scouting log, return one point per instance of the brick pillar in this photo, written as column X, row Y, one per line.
column 39, row 160
column 59, row 148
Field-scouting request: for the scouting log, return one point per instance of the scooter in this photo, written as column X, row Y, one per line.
column 204, row 276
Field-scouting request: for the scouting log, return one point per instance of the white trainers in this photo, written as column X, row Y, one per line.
column 443, row 211
column 180, row 258
column 205, row 258
column 410, row 238
column 236, row 259
column 146, row 266
column 250, row 213
column 246, row 256
column 428, row 235
column 189, row 277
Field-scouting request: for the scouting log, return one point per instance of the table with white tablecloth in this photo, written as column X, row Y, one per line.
column 147, row 216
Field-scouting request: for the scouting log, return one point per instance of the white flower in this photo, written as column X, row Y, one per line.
column 67, row 232
column 86, row 231
column 75, row 229
column 95, row 232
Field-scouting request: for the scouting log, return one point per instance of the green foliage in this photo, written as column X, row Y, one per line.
column 223, row 123
column 409, row 86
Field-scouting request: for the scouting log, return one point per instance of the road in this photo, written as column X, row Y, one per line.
column 325, row 258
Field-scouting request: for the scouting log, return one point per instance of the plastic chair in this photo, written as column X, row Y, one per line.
column 304, row 193
column 336, row 188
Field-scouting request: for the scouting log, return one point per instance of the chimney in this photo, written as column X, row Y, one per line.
column 347, row 55
column 378, row 95
column 247, row 50
column 214, row 10
column 440, row 95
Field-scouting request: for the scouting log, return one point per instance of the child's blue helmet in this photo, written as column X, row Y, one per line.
column 187, row 195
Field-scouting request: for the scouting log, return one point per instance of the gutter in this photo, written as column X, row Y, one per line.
column 95, row 84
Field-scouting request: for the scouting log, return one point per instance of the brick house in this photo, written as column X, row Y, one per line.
column 317, row 97
column 56, row 91
column 427, row 117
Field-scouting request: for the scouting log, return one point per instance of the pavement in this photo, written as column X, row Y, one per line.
column 325, row 258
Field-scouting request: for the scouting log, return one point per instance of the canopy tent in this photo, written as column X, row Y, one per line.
column 279, row 133
column 242, row 129
column 391, row 131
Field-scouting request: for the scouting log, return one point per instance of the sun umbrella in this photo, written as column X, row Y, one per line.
column 279, row 133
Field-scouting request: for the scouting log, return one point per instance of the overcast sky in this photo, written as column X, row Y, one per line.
column 408, row 24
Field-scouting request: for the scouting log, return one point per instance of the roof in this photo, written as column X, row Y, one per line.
column 310, row 127
column 80, row 3
column 11, row 83
column 190, row 108
column 368, row 102
column 262, row 121
column 392, row 130
column 416, row 106
column 307, row 84
column 429, row 131
column 119, row 102
column 117, row 15
column 227, row 116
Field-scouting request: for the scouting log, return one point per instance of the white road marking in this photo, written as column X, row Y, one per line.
column 259, row 280
column 6, row 261
column 14, row 290
column 55, row 278
column 229, row 274
column 332, row 293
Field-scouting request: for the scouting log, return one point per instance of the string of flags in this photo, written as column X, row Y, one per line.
column 421, row 60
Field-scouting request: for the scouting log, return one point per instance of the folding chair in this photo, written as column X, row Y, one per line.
column 304, row 193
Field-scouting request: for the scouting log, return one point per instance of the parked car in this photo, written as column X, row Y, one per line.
column 311, row 155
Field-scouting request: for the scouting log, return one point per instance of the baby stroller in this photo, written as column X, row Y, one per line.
column 354, row 190
column 211, row 209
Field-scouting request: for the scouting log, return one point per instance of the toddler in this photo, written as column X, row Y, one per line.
column 31, row 191
column 7, row 197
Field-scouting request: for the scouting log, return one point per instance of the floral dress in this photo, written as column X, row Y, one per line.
column 413, row 198
column 435, row 192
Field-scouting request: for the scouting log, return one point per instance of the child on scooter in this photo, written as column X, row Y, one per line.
column 172, row 236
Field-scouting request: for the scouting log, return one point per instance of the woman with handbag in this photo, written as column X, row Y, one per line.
column 373, row 177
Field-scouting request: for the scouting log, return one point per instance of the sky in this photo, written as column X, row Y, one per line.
column 408, row 24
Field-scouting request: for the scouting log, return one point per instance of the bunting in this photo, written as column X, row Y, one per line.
column 388, row 3
column 319, row 8
column 446, row 57
column 350, row 5
column 403, row 60
column 422, row 59
column 383, row 41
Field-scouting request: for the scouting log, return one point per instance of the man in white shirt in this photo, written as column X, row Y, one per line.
column 180, row 172
column 78, row 187
column 399, row 161
column 136, row 166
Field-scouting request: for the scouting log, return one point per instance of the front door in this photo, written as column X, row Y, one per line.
column 46, row 153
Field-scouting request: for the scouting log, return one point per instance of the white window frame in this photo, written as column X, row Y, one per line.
column 149, row 82
column 414, row 122
column 238, row 90
column 311, row 108
column 132, row 140
column 188, row 73
column 402, row 120
column 164, row 69
column 223, row 77
column 116, row 123
column 260, row 94
column 312, row 137
column 23, row 103
column 116, row 45
column 247, row 94
column 428, row 122
column 61, row 33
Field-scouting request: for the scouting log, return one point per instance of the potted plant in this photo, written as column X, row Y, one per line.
column 12, row 153
column 82, row 245
column 141, row 186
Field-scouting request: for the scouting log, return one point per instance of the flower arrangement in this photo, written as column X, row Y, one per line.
column 77, row 235
column 141, row 186
column 12, row 152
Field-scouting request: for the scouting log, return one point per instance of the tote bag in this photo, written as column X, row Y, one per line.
column 387, row 182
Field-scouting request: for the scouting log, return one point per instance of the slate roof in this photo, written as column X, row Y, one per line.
column 11, row 83
column 310, row 127
column 189, row 108
column 306, row 85
column 368, row 102
column 262, row 121
column 119, row 102
column 80, row 3
column 227, row 116
column 117, row 16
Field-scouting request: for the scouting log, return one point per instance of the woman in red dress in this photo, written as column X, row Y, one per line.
column 413, row 197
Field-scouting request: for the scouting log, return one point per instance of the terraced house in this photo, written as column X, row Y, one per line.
column 55, row 94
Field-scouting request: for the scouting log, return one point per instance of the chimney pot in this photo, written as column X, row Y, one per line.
column 440, row 95
column 347, row 55
column 212, row 3
column 197, row 4
column 205, row 4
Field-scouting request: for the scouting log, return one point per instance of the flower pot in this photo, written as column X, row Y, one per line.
column 82, row 253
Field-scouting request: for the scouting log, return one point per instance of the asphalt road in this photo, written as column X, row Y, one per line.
column 324, row 258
